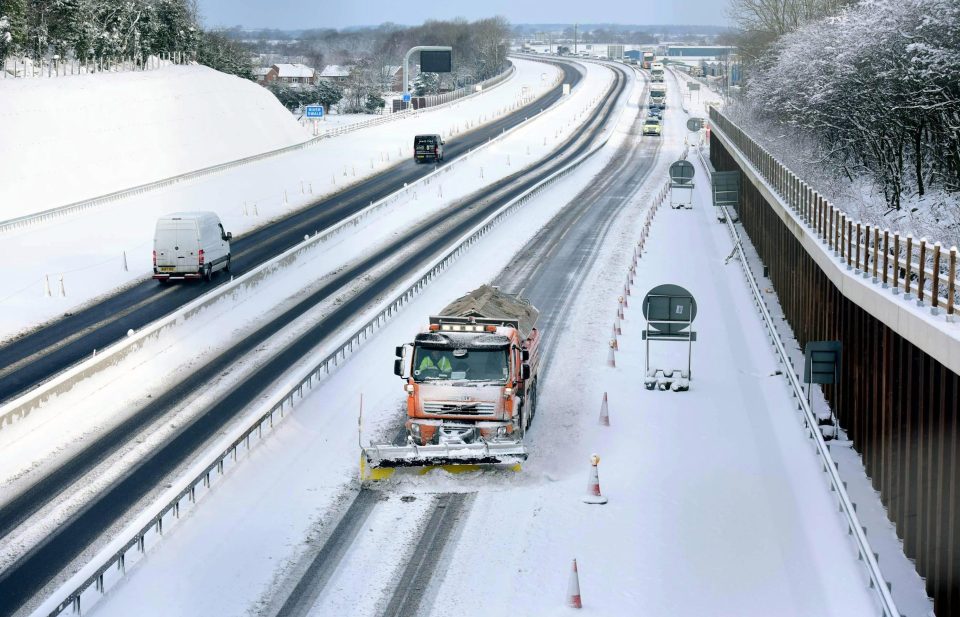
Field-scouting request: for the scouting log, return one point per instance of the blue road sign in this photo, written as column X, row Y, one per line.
column 314, row 111
column 406, row 97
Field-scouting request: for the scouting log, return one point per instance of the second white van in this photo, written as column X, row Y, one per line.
column 190, row 245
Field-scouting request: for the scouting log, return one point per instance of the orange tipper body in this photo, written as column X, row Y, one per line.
column 471, row 374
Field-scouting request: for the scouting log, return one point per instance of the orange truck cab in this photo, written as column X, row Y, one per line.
column 471, row 375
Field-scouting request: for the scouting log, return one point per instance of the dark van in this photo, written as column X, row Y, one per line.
column 427, row 148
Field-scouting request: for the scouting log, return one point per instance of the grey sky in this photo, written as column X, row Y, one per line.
column 295, row 14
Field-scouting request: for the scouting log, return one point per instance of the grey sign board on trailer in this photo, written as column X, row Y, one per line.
column 669, row 309
column 822, row 362
column 694, row 124
column 726, row 188
column 692, row 85
column 682, row 172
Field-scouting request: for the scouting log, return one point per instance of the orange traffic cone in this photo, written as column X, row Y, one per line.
column 611, row 358
column 593, row 487
column 623, row 301
column 573, row 588
column 613, row 341
column 616, row 325
column 604, row 412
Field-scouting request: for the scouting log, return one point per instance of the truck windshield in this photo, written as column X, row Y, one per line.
column 431, row 364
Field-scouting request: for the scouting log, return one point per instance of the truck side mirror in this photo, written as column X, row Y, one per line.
column 399, row 351
column 525, row 355
column 229, row 235
column 398, row 367
column 524, row 371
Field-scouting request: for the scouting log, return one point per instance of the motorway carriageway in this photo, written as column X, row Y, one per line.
column 42, row 563
column 32, row 359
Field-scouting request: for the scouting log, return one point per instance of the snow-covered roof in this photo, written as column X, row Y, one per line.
column 293, row 70
column 335, row 70
column 392, row 70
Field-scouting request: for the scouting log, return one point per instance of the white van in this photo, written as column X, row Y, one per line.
column 190, row 245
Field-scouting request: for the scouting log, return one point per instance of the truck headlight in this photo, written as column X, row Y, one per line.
column 408, row 388
column 507, row 393
column 501, row 431
column 415, row 431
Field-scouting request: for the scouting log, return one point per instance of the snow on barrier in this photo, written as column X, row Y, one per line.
column 79, row 206
column 110, row 563
column 846, row 506
column 886, row 258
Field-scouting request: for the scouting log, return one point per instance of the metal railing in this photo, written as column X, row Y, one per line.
column 865, row 553
column 919, row 269
column 79, row 206
column 114, row 556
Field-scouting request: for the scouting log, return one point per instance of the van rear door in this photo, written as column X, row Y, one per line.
column 176, row 244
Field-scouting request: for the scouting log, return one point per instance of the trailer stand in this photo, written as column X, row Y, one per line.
column 669, row 311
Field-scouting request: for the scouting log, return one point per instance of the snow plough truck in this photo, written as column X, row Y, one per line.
column 470, row 379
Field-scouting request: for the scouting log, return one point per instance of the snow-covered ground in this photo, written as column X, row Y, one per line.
column 62, row 426
column 88, row 250
column 69, row 139
column 717, row 505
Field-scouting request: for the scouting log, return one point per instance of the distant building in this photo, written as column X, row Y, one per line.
column 335, row 73
column 391, row 78
column 291, row 74
column 260, row 73
column 683, row 51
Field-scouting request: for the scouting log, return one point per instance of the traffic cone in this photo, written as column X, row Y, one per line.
column 593, row 495
column 616, row 325
column 613, row 341
column 573, row 588
column 611, row 359
column 604, row 412
column 623, row 301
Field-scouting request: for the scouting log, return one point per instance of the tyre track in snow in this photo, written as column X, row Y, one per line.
column 549, row 272
column 38, row 566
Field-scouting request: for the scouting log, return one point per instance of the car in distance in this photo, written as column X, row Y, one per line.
column 427, row 148
column 652, row 126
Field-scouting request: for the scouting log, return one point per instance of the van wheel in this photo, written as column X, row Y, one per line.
column 207, row 274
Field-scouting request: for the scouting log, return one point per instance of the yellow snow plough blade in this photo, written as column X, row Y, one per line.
column 379, row 462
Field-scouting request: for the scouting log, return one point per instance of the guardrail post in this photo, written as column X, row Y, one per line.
column 849, row 242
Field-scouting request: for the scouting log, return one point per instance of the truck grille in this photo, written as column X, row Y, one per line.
column 460, row 409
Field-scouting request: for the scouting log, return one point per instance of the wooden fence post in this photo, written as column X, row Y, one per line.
column 896, row 263
column 922, row 272
column 935, row 290
column 909, row 265
column 951, row 283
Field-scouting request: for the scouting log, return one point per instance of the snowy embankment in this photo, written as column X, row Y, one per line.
column 67, row 423
column 90, row 250
column 70, row 139
column 712, row 491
